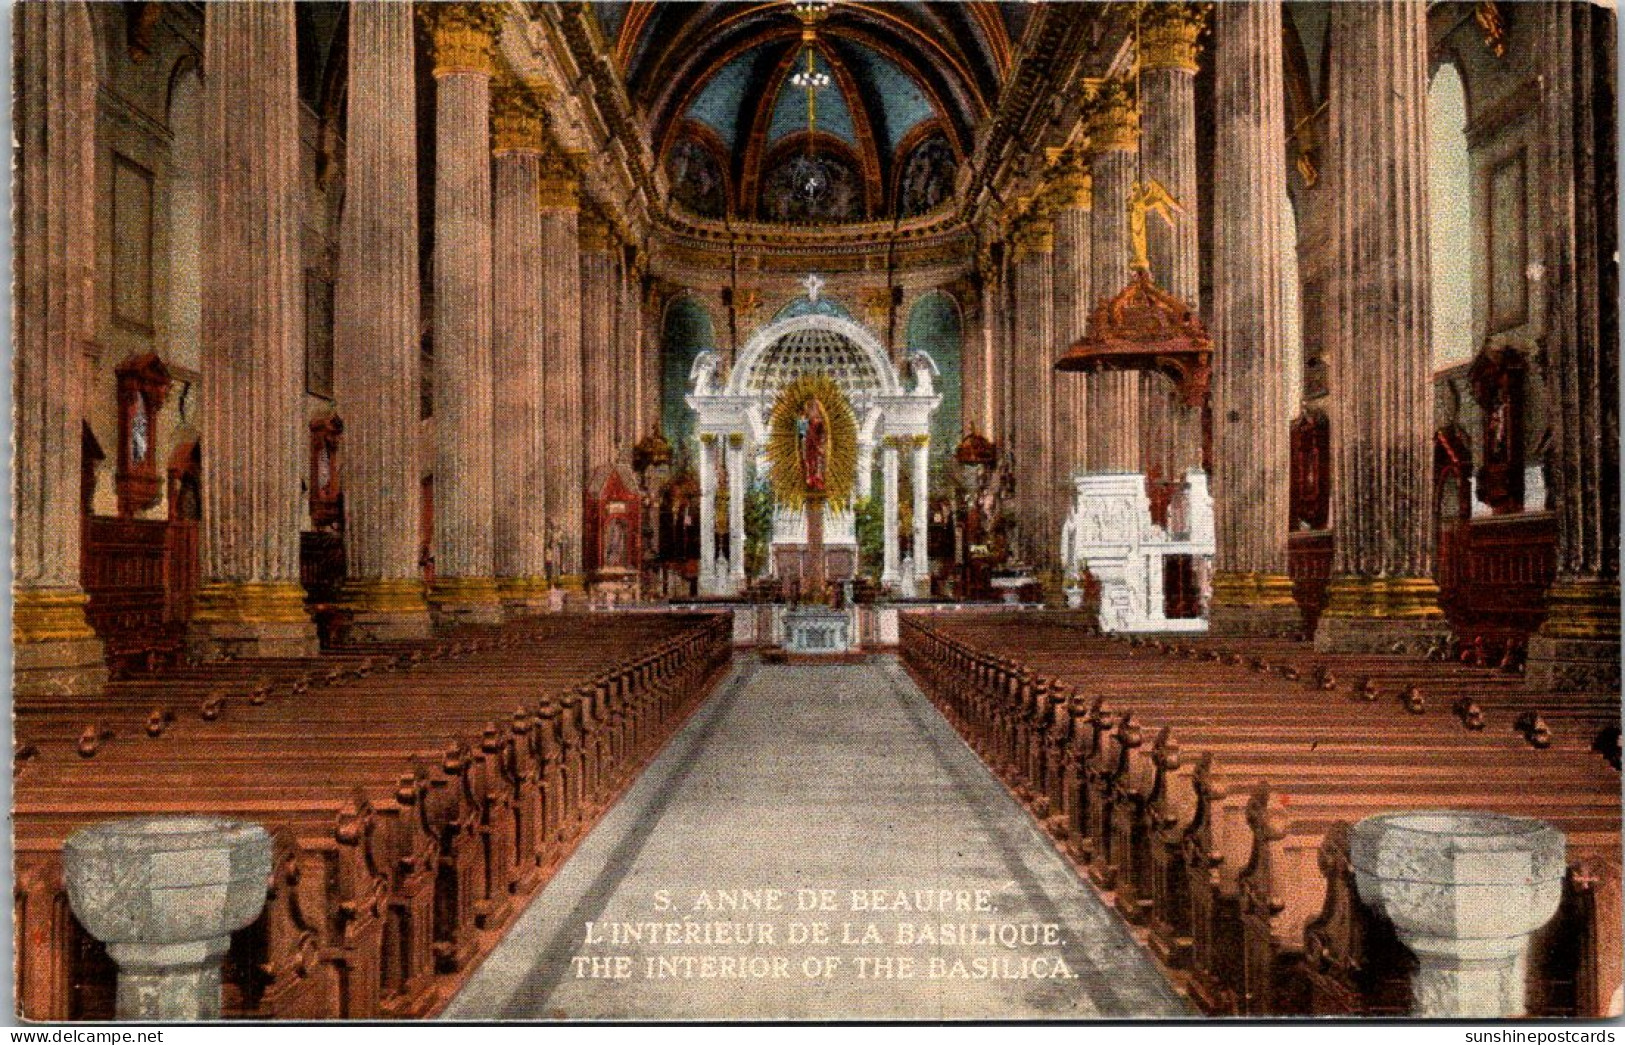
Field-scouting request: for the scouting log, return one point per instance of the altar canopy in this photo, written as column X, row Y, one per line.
column 891, row 407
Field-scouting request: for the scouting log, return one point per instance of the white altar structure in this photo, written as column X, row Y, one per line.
column 733, row 411
column 1110, row 534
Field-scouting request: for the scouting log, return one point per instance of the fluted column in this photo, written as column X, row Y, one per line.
column 521, row 388
column 1113, row 409
column 375, row 329
column 254, row 431
column 1251, row 592
column 708, row 513
column 1578, row 645
column 1171, row 431
column 919, row 486
column 889, row 567
column 736, row 510
column 54, row 648
column 1031, row 354
column 1070, row 196
column 649, row 304
column 599, row 375
column 465, row 585
column 1382, row 593
column 629, row 383
column 560, row 330
column 981, row 386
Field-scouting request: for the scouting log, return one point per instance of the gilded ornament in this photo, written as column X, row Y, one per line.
column 1169, row 34
column 1489, row 18
column 1148, row 197
column 1072, row 185
column 49, row 615
column 1397, row 598
column 596, row 233
column 558, row 185
column 464, row 37
column 1114, row 119
column 517, row 123
column 805, row 463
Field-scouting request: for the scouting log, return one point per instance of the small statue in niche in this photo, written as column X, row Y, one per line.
column 139, row 440
column 615, row 544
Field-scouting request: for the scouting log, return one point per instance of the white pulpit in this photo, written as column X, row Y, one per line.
column 1110, row 534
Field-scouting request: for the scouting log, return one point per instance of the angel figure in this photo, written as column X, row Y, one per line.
column 1147, row 197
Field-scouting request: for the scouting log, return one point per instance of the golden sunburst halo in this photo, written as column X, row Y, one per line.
column 784, row 448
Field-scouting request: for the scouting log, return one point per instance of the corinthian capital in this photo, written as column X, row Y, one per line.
column 464, row 36
column 1169, row 32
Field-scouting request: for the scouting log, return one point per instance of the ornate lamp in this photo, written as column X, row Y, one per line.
column 976, row 455
column 811, row 179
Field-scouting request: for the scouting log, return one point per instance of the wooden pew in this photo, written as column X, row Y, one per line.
column 1150, row 784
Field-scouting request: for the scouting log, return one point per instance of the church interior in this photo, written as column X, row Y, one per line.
column 480, row 465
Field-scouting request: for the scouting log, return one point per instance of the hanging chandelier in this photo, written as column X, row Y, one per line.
column 807, row 171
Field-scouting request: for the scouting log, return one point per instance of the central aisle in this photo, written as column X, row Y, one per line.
column 840, row 778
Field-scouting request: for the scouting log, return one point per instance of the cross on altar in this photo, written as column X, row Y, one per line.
column 814, row 283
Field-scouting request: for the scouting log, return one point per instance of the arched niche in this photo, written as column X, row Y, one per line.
column 183, row 319
column 1450, row 221
column 936, row 328
column 686, row 331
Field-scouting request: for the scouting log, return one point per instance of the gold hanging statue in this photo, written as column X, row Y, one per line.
column 1147, row 197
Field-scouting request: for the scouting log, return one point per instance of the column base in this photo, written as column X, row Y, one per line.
column 386, row 610
column 1254, row 605
column 524, row 596
column 1381, row 615
column 573, row 592
column 251, row 619
column 1577, row 648
column 54, row 650
column 465, row 600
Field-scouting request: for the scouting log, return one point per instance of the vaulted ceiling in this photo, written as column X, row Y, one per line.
column 905, row 87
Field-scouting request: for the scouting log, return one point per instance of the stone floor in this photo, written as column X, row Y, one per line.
column 813, row 787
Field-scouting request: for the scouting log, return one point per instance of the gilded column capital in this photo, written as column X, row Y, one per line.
column 1071, row 185
column 517, row 123
column 1034, row 232
column 558, row 186
column 1169, row 33
column 464, row 37
column 595, row 231
column 1114, row 118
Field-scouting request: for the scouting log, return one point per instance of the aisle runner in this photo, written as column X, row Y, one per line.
column 816, row 844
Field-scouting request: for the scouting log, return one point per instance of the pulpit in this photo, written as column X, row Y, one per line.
column 1111, row 535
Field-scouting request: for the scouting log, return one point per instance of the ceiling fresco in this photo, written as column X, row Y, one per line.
column 900, row 90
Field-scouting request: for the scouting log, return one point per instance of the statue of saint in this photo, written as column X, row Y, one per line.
column 812, row 434
column 615, row 544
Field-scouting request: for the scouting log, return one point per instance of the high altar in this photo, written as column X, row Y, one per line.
column 891, row 411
